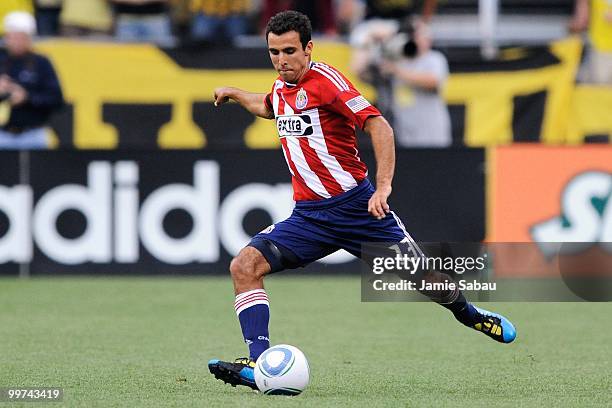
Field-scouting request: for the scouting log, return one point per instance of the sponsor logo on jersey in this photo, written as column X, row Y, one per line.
column 301, row 100
column 294, row 125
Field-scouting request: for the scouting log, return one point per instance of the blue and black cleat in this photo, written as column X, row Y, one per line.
column 495, row 326
column 240, row 372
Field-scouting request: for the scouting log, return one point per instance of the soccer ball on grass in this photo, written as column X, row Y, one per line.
column 282, row 370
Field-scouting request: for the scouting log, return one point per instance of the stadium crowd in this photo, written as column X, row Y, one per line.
column 391, row 41
column 214, row 20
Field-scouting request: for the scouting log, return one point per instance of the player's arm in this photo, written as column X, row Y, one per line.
column 383, row 143
column 253, row 102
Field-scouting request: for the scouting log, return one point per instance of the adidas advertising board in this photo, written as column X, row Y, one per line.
column 175, row 212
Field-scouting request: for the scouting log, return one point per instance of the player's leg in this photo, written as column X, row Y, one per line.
column 251, row 304
column 492, row 324
column 286, row 245
column 350, row 218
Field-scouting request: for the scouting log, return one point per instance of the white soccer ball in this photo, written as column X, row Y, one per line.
column 282, row 370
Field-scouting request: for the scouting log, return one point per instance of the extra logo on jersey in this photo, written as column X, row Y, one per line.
column 294, row 125
column 301, row 100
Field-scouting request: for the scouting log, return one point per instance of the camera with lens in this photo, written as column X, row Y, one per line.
column 401, row 45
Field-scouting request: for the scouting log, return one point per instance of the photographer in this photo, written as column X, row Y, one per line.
column 29, row 88
column 421, row 118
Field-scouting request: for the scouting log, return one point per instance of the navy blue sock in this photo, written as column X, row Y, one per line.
column 253, row 310
column 463, row 310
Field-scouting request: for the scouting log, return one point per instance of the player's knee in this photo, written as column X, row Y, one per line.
column 243, row 269
column 238, row 269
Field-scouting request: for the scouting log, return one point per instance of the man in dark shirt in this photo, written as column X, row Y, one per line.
column 29, row 88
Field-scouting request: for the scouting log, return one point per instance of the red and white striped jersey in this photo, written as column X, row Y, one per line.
column 316, row 121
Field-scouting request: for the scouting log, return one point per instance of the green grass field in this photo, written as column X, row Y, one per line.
column 145, row 342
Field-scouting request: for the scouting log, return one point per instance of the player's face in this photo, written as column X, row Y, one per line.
column 287, row 55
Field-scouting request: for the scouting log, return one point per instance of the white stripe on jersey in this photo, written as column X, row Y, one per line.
column 288, row 109
column 310, row 177
column 275, row 103
column 297, row 156
column 333, row 73
column 331, row 78
column 287, row 160
column 275, row 98
column 317, row 142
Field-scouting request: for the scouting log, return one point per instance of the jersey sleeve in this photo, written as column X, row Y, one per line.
column 268, row 102
column 354, row 106
column 344, row 99
column 268, row 98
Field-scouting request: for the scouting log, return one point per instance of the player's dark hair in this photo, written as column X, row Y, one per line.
column 291, row 20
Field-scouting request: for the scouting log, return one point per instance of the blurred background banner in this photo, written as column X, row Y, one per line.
column 142, row 96
column 136, row 141
column 547, row 195
column 188, row 212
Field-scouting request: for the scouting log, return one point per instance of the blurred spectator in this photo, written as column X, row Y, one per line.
column 399, row 9
column 85, row 17
column 419, row 74
column 368, row 49
column 47, row 17
column 142, row 21
column 597, row 17
column 219, row 20
column 351, row 12
column 383, row 20
column 180, row 16
column 29, row 88
column 320, row 12
column 8, row 6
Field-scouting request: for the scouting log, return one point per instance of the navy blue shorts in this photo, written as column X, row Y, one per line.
column 316, row 229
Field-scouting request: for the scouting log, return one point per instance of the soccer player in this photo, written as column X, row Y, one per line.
column 316, row 109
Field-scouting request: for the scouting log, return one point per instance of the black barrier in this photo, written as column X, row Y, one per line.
column 189, row 212
column 9, row 180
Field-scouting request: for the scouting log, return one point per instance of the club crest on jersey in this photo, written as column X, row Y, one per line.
column 301, row 100
column 294, row 125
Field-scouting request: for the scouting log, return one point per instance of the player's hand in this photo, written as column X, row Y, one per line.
column 377, row 206
column 222, row 95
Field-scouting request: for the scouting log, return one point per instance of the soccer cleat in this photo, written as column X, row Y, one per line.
column 240, row 372
column 495, row 326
